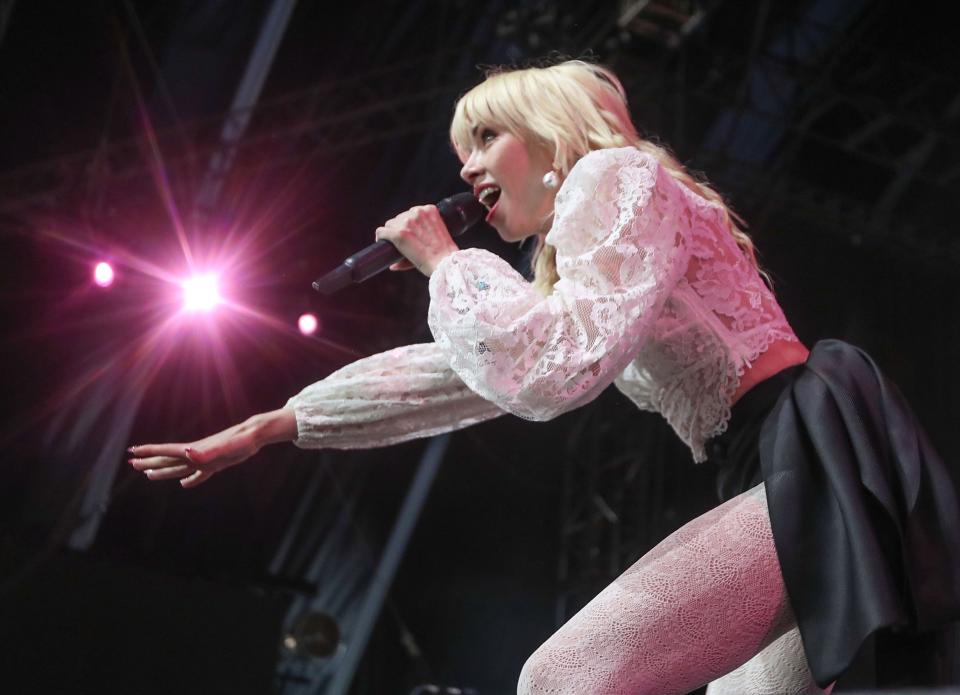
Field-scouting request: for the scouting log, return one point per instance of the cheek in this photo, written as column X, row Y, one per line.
column 538, row 195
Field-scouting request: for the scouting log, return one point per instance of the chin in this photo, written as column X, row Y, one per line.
column 502, row 232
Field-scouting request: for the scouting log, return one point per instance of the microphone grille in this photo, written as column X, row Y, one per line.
column 460, row 212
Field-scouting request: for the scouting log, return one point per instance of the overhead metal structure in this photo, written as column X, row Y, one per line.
column 667, row 22
column 326, row 119
column 244, row 100
column 617, row 501
column 6, row 9
column 794, row 89
column 352, row 576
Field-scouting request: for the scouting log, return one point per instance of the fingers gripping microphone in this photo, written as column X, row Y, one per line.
column 459, row 212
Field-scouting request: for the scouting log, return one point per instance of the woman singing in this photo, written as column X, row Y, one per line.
column 839, row 519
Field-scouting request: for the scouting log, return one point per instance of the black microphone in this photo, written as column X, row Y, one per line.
column 459, row 213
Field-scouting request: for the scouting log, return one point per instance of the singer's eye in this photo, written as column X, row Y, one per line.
column 487, row 135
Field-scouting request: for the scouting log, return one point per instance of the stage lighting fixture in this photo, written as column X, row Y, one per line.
column 200, row 293
column 103, row 274
column 314, row 634
column 308, row 324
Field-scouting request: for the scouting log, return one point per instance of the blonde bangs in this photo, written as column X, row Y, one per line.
column 491, row 104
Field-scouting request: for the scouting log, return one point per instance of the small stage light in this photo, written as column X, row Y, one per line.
column 308, row 324
column 103, row 274
column 200, row 293
column 313, row 634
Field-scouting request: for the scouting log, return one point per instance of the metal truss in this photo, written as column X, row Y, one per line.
column 824, row 124
column 618, row 498
column 325, row 119
column 324, row 547
column 667, row 22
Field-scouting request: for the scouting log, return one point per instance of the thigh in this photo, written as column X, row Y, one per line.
column 704, row 601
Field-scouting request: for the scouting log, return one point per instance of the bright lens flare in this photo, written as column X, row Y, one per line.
column 103, row 274
column 200, row 293
column 308, row 324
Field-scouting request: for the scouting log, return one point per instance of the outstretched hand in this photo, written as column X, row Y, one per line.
column 195, row 462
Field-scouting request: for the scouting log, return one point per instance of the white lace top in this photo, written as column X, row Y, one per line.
column 654, row 295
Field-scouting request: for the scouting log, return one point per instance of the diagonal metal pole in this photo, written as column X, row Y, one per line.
column 6, row 9
column 106, row 466
column 246, row 97
column 392, row 554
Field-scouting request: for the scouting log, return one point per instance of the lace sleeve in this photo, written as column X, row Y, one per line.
column 619, row 234
column 383, row 399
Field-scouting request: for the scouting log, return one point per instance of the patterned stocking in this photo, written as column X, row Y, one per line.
column 704, row 601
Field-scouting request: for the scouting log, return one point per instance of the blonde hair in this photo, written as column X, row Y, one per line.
column 568, row 109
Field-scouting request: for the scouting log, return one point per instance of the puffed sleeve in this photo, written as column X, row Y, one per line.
column 391, row 397
column 620, row 233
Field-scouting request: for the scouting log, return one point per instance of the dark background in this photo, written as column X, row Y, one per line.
column 830, row 126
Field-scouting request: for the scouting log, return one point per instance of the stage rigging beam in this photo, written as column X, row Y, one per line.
column 762, row 172
column 387, row 107
column 614, row 505
column 333, row 555
column 6, row 9
column 772, row 82
column 913, row 161
column 244, row 100
column 663, row 21
column 324, row 547
column 389, row 562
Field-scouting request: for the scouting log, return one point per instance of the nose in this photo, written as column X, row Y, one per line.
column 472, row 168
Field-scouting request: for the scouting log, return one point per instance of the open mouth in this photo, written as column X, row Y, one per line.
column 489, row 197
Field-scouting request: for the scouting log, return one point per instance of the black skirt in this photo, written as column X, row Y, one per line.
column 864, row 513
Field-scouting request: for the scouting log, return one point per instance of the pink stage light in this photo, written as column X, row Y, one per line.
column 308, row 324
column 200, row 293
column 103, row 274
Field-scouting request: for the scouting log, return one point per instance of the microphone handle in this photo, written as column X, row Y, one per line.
column 375, row 258
column 459, row 213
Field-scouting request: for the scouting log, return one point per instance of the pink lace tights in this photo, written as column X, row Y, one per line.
column 707, row 604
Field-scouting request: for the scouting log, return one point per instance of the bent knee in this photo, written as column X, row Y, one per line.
column 559, row 672
column 539, row 676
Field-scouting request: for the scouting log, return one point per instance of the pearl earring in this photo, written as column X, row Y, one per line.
column 551, row 180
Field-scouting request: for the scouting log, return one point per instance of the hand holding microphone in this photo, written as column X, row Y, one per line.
column 422, row 235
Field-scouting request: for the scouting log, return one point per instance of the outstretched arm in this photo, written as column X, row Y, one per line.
column 398, row 395
column 194, row 462
column 391, row 397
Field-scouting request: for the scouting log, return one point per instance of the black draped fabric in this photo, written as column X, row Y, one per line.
column 736, row 453
column 864, row 513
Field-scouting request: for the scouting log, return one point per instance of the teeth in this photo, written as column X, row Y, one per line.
column 487, row 195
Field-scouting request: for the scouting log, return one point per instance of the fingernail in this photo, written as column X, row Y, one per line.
column 132, row 449
column 130, row 461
